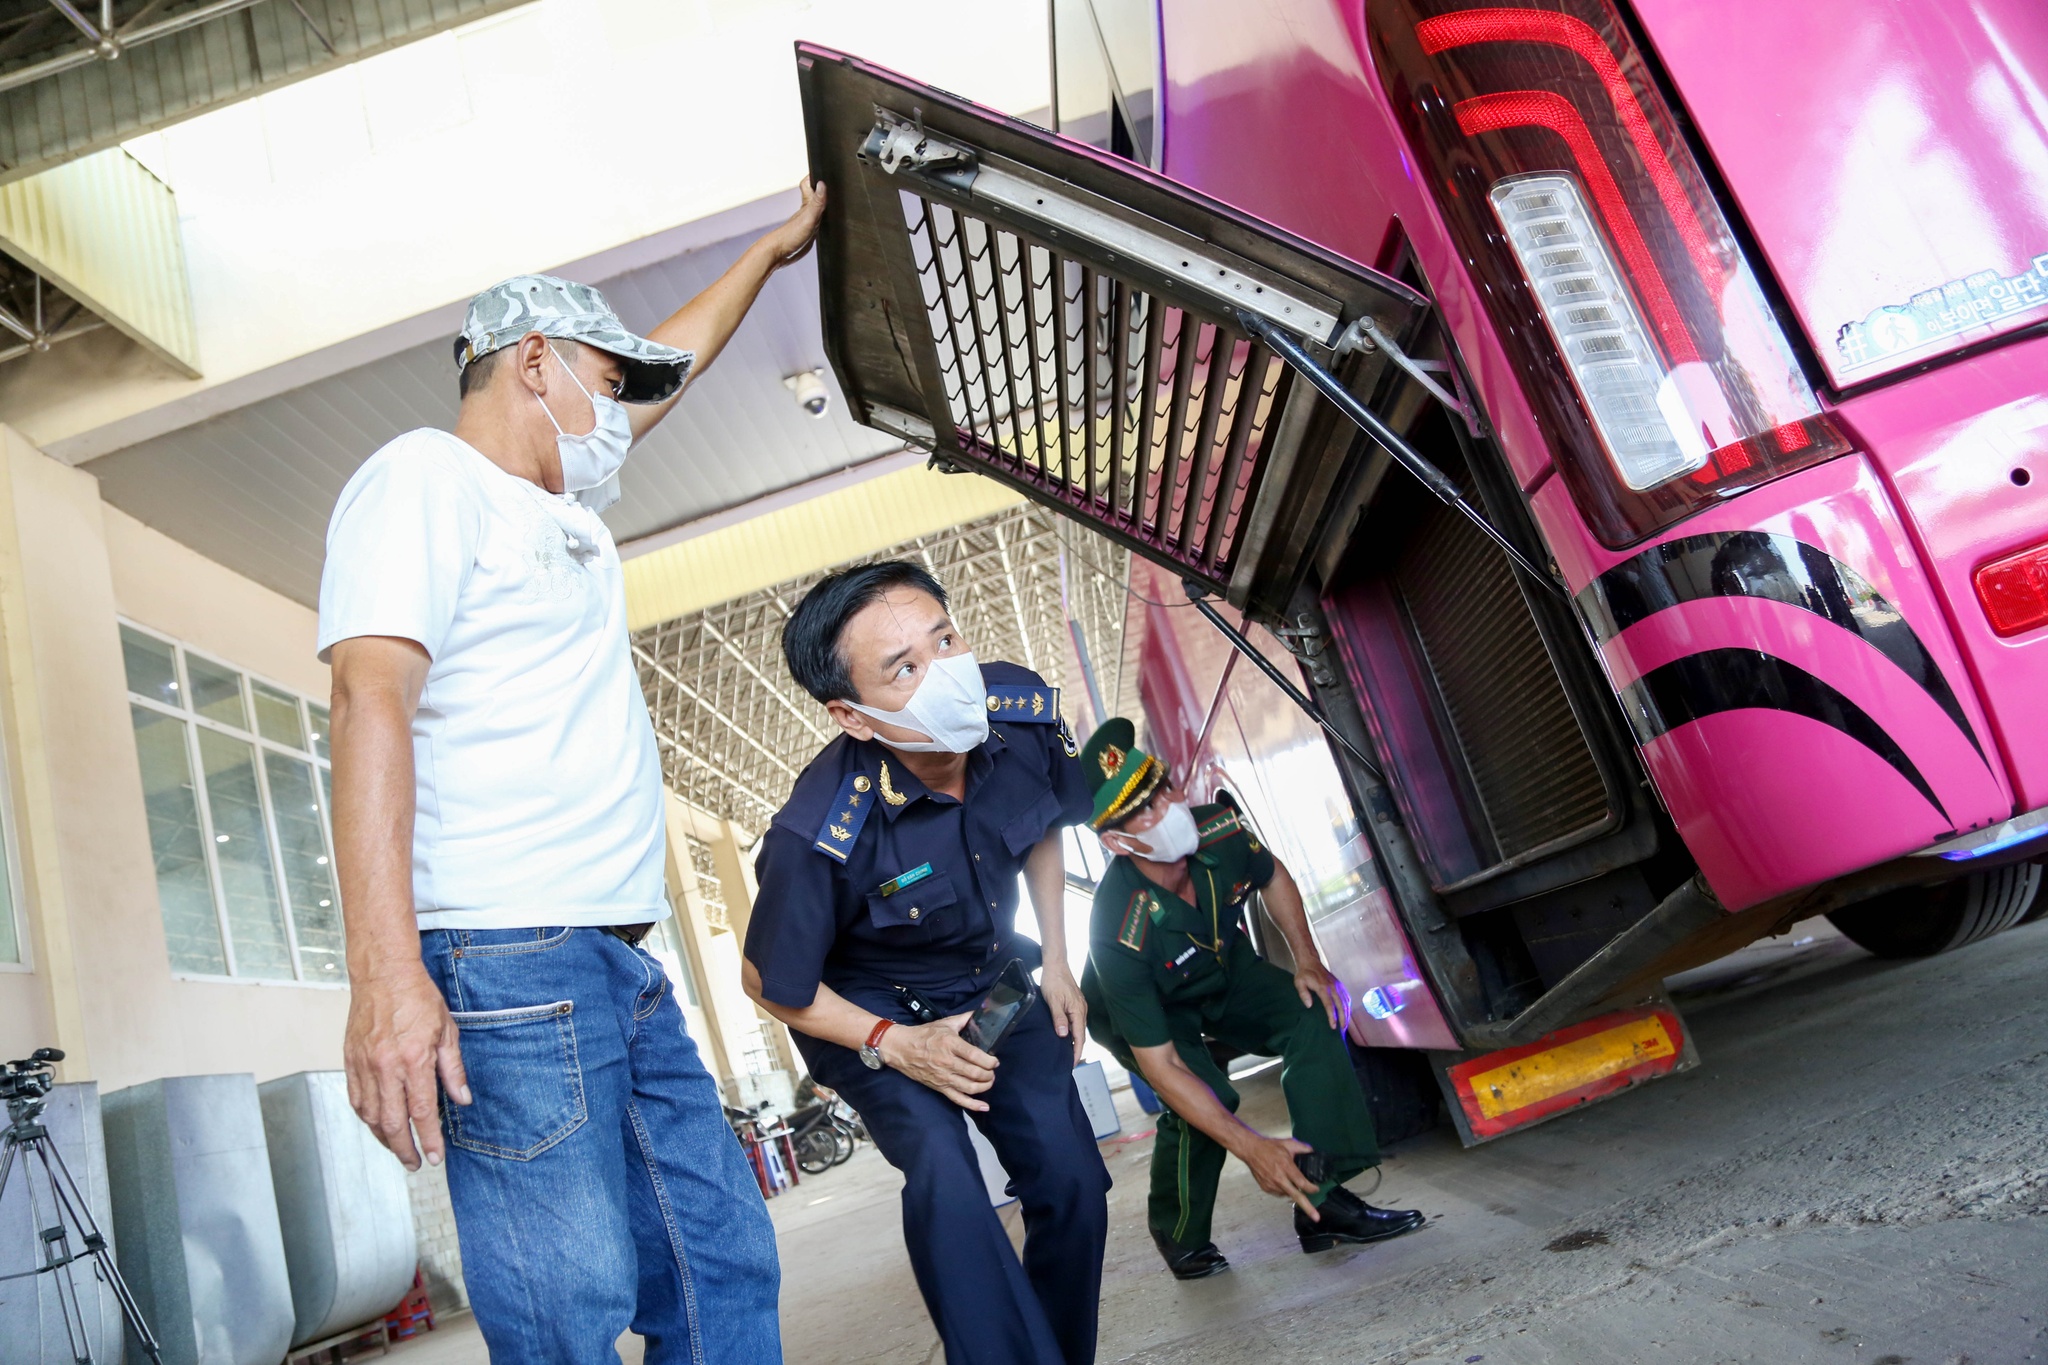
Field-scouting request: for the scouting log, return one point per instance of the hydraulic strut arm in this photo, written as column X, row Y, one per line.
column 1284, row 345
column 1198, row 595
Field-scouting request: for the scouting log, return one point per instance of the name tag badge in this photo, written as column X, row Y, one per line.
column 903, row 879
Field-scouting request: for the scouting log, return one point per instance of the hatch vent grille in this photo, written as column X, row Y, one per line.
column 1146, row 419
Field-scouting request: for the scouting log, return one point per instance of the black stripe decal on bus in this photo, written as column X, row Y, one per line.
column 1718, row 680
column 1780, row 568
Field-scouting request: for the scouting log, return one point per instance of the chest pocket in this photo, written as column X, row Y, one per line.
column 1030, row 827
column 913, row 905
column 1188, row 971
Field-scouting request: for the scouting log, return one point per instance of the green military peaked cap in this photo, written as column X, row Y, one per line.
column 1123, row 775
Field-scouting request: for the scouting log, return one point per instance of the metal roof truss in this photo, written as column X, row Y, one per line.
column 77, row 76
column 735, row 730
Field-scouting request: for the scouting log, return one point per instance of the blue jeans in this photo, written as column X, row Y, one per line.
column 596, row 1183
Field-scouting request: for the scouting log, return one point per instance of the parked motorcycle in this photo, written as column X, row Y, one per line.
column 825, row 1131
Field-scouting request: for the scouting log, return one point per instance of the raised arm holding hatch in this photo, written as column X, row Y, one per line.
column 500, row 840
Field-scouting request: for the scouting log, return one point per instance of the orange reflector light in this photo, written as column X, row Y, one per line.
column 1518, row 1086
column 2014, row 591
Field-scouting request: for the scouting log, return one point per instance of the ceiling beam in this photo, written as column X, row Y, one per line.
column 105, row 231
column 94, row 84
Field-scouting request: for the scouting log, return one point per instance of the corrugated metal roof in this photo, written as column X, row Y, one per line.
column 253, row 488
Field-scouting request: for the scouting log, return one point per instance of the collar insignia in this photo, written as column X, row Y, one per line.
column 1026, row 705
column 889, row 792
column 1137, row 918
column 1221, row 825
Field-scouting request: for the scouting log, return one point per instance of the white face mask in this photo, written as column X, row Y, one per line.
column 950, row 705
column 592, row 460
column 1172, row 839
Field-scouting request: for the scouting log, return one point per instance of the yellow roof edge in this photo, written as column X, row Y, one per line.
column 841, row 523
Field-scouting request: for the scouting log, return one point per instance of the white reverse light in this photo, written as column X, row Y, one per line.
column 1657, row 425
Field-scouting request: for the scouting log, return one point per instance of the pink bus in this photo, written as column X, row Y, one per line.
column 1578, row 461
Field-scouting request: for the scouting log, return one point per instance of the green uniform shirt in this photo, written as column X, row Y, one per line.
column 1157, row 963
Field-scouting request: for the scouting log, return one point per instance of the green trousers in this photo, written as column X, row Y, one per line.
column 1260, row 1014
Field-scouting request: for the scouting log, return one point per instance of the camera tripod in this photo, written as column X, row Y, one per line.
column 26, row 1087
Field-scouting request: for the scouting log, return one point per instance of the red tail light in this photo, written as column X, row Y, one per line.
column 2014, row 591
column 1610, row 273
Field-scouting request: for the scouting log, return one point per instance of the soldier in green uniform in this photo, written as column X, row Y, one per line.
column 1169, row 965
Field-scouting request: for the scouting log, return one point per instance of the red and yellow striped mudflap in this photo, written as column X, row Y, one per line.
column 1515, row 1087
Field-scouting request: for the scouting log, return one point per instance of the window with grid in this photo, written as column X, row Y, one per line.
column 757, row 1054
column 710, row 890
column 236, row 781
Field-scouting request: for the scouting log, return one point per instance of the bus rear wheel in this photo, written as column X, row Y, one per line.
column 1922, row 921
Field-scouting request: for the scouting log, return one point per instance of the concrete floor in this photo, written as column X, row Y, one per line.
column 1857, row 1172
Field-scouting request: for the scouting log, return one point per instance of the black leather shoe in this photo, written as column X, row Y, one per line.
column 1347, row 1218
column 1197, row 1264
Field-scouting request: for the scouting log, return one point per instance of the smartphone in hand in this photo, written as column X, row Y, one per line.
column 1008, row 1001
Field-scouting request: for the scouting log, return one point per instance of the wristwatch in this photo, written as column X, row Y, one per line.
column 871, row 1051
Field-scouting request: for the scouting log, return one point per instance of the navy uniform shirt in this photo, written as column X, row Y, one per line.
column 869, row 878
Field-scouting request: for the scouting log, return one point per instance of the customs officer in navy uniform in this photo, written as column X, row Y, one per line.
column 1169, row 967
column 888, row 891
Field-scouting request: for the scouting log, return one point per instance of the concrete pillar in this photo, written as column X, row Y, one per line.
column 721, row 1054
column 48, row 1009
column 736, row 881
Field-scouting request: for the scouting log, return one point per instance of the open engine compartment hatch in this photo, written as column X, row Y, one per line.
column 1074, row 325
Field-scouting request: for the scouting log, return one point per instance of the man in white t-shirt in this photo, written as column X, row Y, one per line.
column 499, row 835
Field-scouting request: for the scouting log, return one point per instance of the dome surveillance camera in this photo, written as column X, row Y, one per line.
column 809, row 391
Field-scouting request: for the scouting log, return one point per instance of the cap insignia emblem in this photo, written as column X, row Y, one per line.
column 1112, row 759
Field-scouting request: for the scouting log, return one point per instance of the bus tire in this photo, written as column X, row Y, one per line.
column 2040, row 906
column 1922, row 921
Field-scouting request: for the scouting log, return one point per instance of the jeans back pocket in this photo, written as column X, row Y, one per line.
column 525, row 1082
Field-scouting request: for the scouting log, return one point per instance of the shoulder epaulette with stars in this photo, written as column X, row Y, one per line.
column 1138, row 913
column 1031, row 705
column 849, row 811
column 1221, row 825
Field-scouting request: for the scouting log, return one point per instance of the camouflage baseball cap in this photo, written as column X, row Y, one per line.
column 570, row 312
